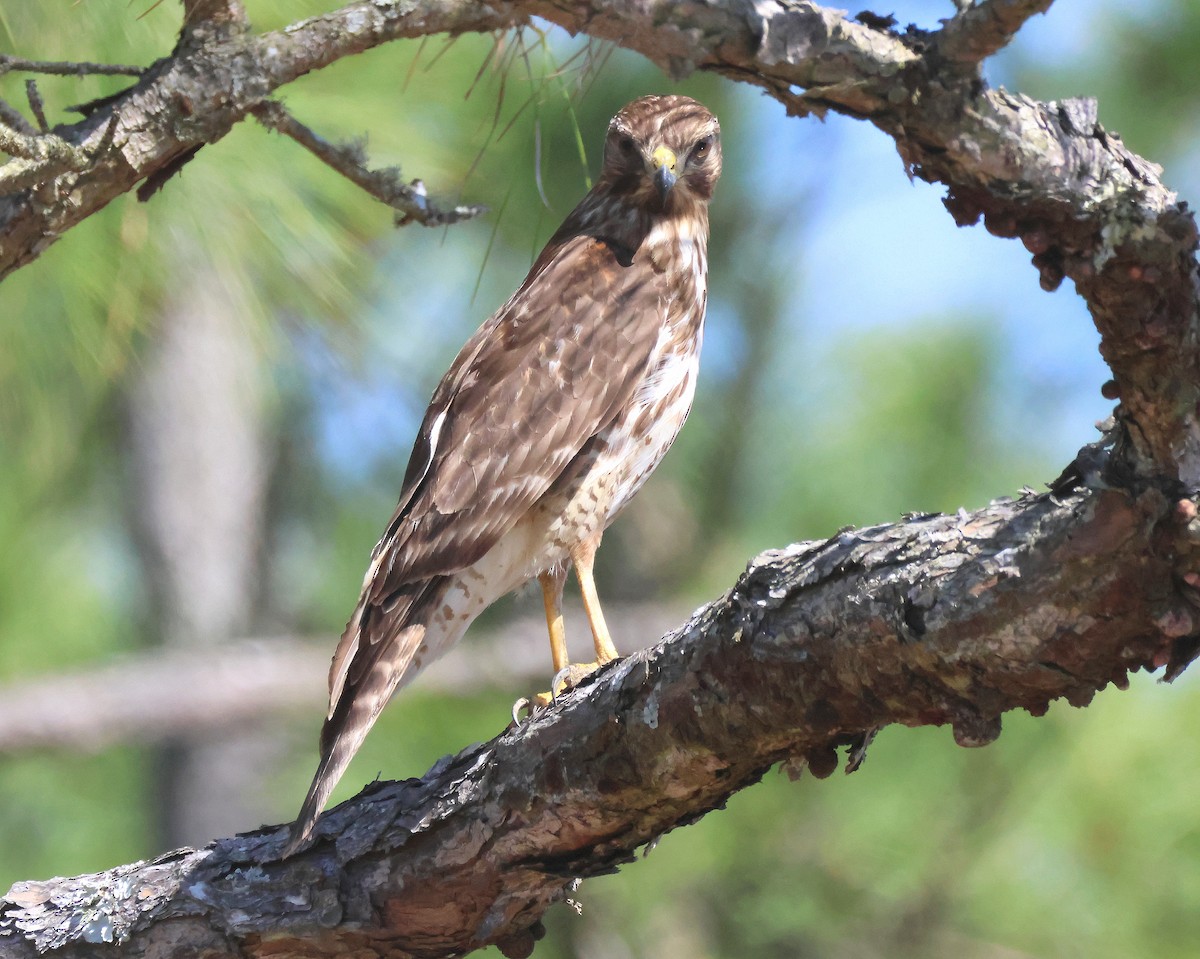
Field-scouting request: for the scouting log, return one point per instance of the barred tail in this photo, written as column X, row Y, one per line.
column 377, row 654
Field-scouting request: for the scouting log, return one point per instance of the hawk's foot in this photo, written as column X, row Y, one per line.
column 566, row 678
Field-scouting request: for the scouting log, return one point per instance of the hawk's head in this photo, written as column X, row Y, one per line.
column 663, row 153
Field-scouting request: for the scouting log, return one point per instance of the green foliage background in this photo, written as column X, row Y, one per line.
column 1074, row 835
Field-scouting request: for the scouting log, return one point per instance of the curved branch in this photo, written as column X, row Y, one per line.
column 955, row 620
column 1084, row 205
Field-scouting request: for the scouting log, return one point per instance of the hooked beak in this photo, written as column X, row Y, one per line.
column 665, row 170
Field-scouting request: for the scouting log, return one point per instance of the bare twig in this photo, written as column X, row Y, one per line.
column 980, row 30
column 66, row 68
column 36, row 105
column 408, row 199
column 107, row 138
column 12, row 117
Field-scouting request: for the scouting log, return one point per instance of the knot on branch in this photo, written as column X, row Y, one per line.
column 520, row 945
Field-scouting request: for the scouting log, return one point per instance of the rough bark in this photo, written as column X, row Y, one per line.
column 935, row 620
column 952, row 619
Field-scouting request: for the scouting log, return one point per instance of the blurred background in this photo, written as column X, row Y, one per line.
column 206, row 407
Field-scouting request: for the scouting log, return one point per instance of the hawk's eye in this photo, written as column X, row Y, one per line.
column 626, row 144
column 703, row 145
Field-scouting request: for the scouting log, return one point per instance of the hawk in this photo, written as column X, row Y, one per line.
column 548, row 421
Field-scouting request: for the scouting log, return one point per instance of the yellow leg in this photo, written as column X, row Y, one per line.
column 583, row 556
column 552, row 592
column 567, row 675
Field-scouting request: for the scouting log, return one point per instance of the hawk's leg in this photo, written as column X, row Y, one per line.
column 552, row 583
column 552, row 594
column 583, row 557
column 566, row 673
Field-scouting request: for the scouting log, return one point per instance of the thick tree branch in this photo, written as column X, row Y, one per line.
column 195, row 11
column 955, row 620
column 207, row 21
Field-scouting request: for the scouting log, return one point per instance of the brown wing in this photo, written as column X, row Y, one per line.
column 533, row 385
column 539, row 379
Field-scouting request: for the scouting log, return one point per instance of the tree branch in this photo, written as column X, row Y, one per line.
column 178, row 692
column 10, row 116
column 36, row 156
column 956, row 619
column 65, row 68
column 982, row 29
column 197, row 11
column 1085, row 206
column 45, row 148
column 409, row 200
column 36, row 105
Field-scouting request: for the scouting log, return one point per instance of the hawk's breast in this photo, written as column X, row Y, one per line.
column 620, row 456
column 638, row 438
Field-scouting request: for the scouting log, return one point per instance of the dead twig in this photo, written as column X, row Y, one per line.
column 409, row 200
column 66, row 68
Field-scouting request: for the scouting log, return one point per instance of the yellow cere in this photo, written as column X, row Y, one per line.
column 663, row 157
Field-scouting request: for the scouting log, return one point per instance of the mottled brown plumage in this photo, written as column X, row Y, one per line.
column 546, row 424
